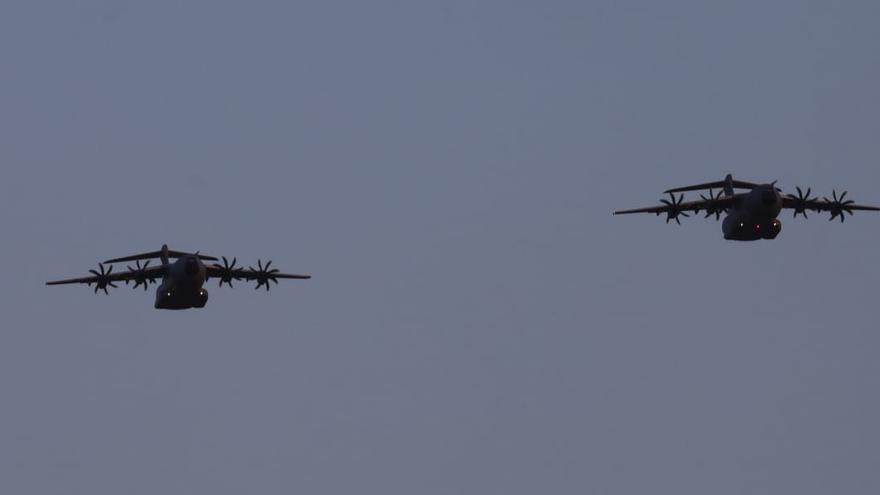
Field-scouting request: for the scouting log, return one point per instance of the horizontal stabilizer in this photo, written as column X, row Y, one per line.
column 727, row 185
column 158, row 254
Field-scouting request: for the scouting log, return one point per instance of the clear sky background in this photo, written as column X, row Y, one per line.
column 478, row 322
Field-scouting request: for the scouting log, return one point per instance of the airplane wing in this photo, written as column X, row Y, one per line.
column 822, row 205
column 262, row 274
column 673, row 208
column 693, row 206
column 104, row 278
column 248, row 274
column 836, row 206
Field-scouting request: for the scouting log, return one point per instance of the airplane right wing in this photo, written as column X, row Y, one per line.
column 675, row 207
column 103, row 279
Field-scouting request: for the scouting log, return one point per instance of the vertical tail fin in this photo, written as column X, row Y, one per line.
column 164, row 255
column 728, row 185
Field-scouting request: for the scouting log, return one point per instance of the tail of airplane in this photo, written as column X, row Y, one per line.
column 164, row 254
column 727, row 185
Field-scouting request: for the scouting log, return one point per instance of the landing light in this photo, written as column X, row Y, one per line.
column 168, row 294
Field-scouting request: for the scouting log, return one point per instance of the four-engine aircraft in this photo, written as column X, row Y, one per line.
column 182, row 279
column 750, row 215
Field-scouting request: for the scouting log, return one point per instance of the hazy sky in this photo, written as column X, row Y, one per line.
column 478, row 322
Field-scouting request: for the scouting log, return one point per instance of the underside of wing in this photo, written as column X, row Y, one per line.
column 676, row 207
column 227, row 272
column 837, row 206
column 252, row 274
column 79, row 280
column 103, row 278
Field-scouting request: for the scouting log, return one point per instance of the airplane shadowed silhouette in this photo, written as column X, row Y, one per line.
column 182, row 280
column 749, row 215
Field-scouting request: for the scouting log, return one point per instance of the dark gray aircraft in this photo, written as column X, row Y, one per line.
column 182, row 280
column 751, row 215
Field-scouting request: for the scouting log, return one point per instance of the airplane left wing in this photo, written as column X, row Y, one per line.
column 251, row 274
column 837, row 206
column 262, row 274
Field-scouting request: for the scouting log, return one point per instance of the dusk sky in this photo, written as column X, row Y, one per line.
column 478, row 321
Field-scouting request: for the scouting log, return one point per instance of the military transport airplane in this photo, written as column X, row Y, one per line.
column 751, row 215
column 182, row 280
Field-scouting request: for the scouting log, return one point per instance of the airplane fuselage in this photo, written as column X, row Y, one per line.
column 181, row 288
column 754, row 215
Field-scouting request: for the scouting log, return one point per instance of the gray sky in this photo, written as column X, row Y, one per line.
column 478, row 321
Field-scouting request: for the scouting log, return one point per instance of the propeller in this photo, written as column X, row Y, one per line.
column 773, row 185
column 140, row 275
column 801, row 202
column 674, row 208
column 227, row 272
column 838, row 206
column 103, row 279
column 263, row 274
column 713, row 205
